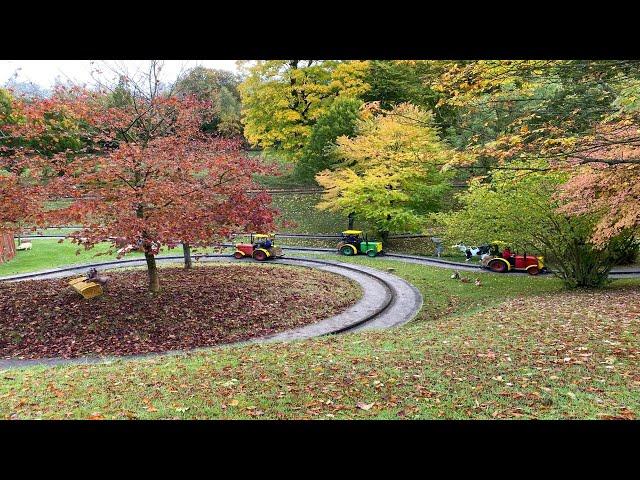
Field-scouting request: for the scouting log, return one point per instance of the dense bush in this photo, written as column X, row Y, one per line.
column 521, row 211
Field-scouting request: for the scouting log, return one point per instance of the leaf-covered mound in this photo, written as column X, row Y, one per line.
column 206, row 306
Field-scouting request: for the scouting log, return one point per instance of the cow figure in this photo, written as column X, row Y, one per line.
column 470, row 252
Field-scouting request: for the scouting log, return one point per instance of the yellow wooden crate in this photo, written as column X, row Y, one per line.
column 85, row 288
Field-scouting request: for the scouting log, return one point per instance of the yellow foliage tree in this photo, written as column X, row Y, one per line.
column 283, row 99
column 394, row 172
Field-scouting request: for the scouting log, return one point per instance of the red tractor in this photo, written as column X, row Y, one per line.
column 505, row 261
column 262, row 247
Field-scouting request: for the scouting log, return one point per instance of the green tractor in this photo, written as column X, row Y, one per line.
column 352, row 243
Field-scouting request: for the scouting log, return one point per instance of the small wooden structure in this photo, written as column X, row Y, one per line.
column 7, row 246
column 86, row 288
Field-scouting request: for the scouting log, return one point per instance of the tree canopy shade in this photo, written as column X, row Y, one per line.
column 393, row 172
column 580, row 116
column 283, row 99
column 538, row 108
column 20, row 202
column 149, row 175
column 607, row 182
column 393, row 82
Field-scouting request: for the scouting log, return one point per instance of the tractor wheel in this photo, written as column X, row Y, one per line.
column 533, row 271
column 238, row 255
column 497, row 266
column 260, row 255
column 346, row 250
column 371, row 253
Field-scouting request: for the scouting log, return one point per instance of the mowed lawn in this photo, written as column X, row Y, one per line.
column 516, row 347
column 47, row 253
column 302, row 216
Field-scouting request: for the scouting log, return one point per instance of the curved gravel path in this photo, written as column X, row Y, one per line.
column 387, row 301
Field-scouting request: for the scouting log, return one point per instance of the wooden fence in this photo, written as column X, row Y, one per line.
column 7, row 246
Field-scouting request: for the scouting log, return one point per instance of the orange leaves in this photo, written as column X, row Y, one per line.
column 142, row 169
column 608, row 183
column 623, row 414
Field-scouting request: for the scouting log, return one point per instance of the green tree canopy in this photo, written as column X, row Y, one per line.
column 219, row 87
column 339, row 120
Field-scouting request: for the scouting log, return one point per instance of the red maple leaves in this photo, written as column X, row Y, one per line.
column 141, row 170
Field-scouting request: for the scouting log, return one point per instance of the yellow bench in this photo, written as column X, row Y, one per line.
column 85, row 288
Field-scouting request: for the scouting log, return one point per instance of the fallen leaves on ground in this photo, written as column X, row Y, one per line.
column 549, row 356
column 206, row 306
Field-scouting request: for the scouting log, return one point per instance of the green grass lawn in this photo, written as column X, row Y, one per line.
column 517, row 347
column 50, row 231
column 47, row 253
column 298, row 213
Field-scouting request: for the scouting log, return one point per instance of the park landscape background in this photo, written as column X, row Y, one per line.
column 542, row 155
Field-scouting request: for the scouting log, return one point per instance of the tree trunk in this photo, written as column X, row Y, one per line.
column 186, row 249
column 154, row 281
column 351, row 218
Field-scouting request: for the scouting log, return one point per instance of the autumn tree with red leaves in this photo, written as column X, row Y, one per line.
column 20, row 197
column 607, row 181
column 148, row 175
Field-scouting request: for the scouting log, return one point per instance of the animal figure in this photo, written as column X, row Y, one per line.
column 472, row 251
column 92, row 275
column 455, row 275
column 24, row 246
column 477, row 282
column 465, row 280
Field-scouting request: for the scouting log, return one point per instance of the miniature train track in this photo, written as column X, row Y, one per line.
column 439, row 263
column 419, row 259
column 387, row 301
column 391, row 298
column 278, row 234
column 395, row 301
